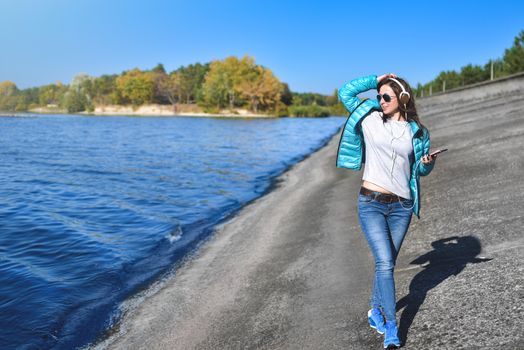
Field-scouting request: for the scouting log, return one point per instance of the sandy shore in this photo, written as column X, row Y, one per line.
column 154, row 110
column 293, row 271
column 167, row 110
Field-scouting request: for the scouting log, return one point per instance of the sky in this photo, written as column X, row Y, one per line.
column 314, row 46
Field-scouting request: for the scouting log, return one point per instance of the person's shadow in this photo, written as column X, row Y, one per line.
column 448, row 257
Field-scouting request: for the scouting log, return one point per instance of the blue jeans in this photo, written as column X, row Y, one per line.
column 385, row 225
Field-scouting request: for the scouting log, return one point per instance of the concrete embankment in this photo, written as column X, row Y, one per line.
column 292, row 270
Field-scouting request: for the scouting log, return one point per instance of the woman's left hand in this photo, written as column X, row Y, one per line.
column 427, row 159
column 385, row 76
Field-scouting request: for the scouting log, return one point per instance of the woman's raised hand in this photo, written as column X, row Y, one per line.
column 385, row 76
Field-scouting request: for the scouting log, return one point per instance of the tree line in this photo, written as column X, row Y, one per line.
column 511, row 62
column 231, row 83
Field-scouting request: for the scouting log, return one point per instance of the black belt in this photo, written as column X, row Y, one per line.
column 379, row 196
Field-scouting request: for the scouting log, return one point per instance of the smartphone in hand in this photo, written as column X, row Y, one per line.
column 437, row 152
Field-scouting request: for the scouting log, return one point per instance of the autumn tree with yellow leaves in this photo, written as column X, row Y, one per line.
column 234, row 82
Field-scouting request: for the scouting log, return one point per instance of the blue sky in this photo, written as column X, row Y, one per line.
column 314, row 46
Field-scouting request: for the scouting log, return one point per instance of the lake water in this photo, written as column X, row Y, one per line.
column 92, row 209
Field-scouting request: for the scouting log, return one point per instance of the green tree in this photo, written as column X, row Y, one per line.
column 23, row 102
column 222, row 83
column 79, row 96
column 104, row 90
column 472, row 74
column 158, row 76
column 8, row 103
column 237, row 82
column 447, row 80
column 332, row 100
column 498, row 68
column 191, row 81
column 8, row 96
column 75, row 101
column 136, row 86
column 308, row 99
column 28, row 98
column 286, row 96
column 169, row 87
column 8, row 88
column 336, row 107
column 51, row 94
column 159, row 68
column 218, row 86
column 514, row 56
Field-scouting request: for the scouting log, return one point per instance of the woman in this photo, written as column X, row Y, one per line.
column 386, row 134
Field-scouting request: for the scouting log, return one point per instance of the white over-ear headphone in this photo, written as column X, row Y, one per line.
column 404, row 95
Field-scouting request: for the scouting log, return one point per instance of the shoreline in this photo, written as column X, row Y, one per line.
column 152, row 110
column 188, row 115
column 155, row 113
column 131, row 304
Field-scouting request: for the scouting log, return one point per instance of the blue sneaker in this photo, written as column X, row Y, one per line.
column 391, row 340
column 376, row 320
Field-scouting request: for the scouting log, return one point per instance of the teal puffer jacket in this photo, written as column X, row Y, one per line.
column 351, row 149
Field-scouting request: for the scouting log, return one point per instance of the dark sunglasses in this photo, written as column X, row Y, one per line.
column 386, row 97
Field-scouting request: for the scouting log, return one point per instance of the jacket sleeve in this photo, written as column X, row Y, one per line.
column 424, row 169
column 348, row 93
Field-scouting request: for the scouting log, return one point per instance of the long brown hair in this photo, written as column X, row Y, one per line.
column 410, row 108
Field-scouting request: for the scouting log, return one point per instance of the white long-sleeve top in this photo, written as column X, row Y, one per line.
column 388, row 151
